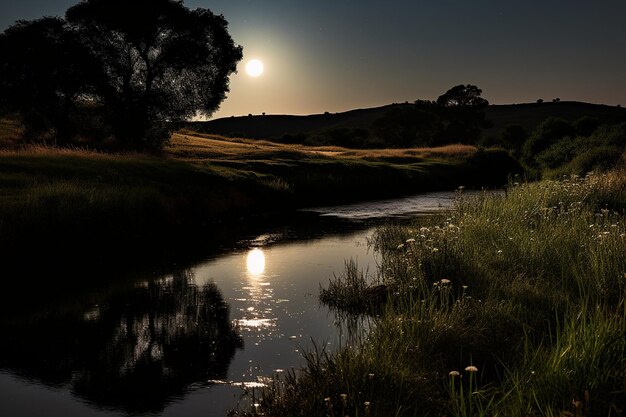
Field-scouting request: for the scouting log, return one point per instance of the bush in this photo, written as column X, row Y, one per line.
column 561, row 152
column 579, row 155
column 585, row 126
column 602, row 159
column 547, row 133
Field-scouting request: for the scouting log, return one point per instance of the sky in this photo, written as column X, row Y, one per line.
column 338, row 55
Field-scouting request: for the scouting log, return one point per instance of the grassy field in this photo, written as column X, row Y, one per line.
column 511, row 305
column 194, row 147
column 76, row 201
column 330, row 175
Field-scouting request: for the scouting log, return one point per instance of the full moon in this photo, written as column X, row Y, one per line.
column 254, row 68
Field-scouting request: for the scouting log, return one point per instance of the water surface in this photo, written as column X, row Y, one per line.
column 193, row 341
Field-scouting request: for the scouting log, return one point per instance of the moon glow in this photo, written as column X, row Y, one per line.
column 254, row 68
column 255, row 262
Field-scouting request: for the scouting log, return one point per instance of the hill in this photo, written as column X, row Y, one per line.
column 275, row 126
column 528, row 115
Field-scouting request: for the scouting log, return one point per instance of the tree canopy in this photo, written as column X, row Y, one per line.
column 146, row 64
column 44, row 69
column 463, row 96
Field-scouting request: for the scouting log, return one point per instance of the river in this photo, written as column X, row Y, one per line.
column 193, row 341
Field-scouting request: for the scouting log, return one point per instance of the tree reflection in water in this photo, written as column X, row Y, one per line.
column 136, row 353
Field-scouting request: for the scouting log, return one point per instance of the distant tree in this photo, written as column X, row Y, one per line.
column 425, row 104
column 539, row 101
column 463, row 110
column 556, row 100
column 463, row 96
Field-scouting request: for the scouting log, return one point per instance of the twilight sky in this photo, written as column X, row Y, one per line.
column 336, row 55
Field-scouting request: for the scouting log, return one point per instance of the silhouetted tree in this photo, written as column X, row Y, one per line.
column 539, row 101
column 463, row 96
column 464, row 110
column 163, row 62
column 148, row 63
column 44, row 70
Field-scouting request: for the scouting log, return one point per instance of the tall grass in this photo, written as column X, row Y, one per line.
column 11, row 132
column 512, row 305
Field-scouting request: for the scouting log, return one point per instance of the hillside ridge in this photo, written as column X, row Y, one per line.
column 528, row 115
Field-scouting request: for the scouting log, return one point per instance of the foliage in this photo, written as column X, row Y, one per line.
column 601, row 158
column 145, row 64
column 456, row 117
column 464, row 111
column 513, row 137
column 586, row 125
column 462, row 96
column 561, row 152
column 603, row 149
column 547, row 133
column 44, row 72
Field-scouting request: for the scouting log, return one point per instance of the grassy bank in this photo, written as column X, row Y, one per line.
column 76, row 202
column 509, row 306
column 80, row 203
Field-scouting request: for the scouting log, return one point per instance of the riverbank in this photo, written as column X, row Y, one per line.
column 75, row 204
column 509, row 306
